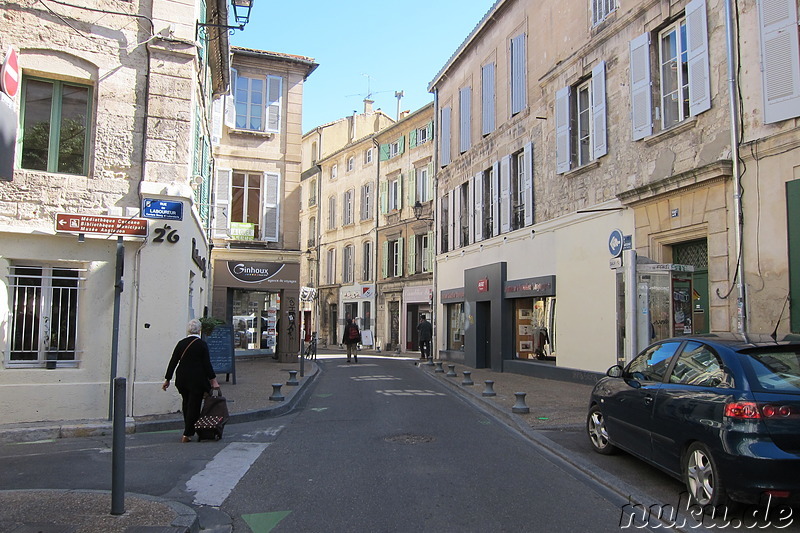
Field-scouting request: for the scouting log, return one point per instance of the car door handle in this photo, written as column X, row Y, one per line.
column 648, row 400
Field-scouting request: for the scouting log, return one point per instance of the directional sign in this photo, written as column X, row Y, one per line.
column 106, row 225
column 615, row 241
column 9, row 74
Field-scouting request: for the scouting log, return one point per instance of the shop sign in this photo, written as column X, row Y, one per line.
column 363, row 292
column 483, row 285
column 253, row 272
column 418, row 294
column 451, row 295
column 242, row 231
column 531, row 287
column 162, row 209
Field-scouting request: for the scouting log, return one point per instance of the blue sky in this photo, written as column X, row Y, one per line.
column 363, row 46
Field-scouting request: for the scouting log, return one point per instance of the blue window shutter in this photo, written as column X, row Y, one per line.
column 641, row 96
column 465, row 122
column 518, row 78
column 496, row 198
column 563, row 154
column 780, row 59
column 699, row 72
column 444, row 150
column 478, row 187
column 599, row 137
column 487, row 99
column 505, row 194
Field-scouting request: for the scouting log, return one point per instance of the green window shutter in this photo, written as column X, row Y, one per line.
column 399, row 192
column 383, row 152
column 429, row 130
column 430, row 181
column 401, row 144
column 385, row 260
column 412, row 138
column 412, row 254
column 400, row 256
column 412, row 187
column 430, row 250
column 793, row 218
column 384, row 197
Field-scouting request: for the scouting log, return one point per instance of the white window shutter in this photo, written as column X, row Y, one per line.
column 465, row 123
column 230, row 102
column 487, row 99
column 478, row 187
column 274, row 98
column 641, row 96
column 529, row 207
column 217, row 118
column 471, row 220
column 563, row 155
column 599, row 136
column 699, row 72
column 444, row 149
column 222, row 195
column 780, row 56
column 505, row 194
column 496, row 198
column 412, row 254
column 440, row 234
column 272, row 187
column 518, row 78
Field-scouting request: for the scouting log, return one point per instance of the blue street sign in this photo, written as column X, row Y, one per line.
column 162, row 209
column 615, row 241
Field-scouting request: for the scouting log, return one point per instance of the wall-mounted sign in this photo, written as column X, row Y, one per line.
column 9, row 74
column 615, row 241
column 483, row 285
column 242, row 231
column 106, row 225
column 163, row 209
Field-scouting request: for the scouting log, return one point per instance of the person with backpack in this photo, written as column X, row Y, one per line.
column 351, row 338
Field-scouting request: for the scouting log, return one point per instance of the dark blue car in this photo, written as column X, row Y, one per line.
column 720, row 413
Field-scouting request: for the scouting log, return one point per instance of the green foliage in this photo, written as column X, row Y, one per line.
column 208, row 323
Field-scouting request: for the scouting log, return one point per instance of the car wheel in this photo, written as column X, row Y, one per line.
column 702, row 477
column 598, row 434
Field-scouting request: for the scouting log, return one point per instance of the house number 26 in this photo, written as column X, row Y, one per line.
column 171, row 234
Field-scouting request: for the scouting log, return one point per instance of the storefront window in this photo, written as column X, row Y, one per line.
column 455, row 326
column 255, row 322
column 534, row 320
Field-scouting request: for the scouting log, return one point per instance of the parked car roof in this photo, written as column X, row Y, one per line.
column 736, row 341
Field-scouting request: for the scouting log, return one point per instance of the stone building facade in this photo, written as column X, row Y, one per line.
column 572, row 156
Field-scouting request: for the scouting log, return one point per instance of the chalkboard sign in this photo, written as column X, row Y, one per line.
column 220, row 347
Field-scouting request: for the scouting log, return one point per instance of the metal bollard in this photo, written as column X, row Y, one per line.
column 293, row 378
column 452, row 372
column 489, row 391
column 438, row 367
column 276, row 393
column 118, row 448
column 467, row 378
column 520, row 407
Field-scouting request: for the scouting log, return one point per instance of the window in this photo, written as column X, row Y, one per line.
column 423, row 184
column 601, row 9
column 444, row 224
column 332, row 213
column 351, row 163
column 312, row 193
column 455, row 326
column 581, row 121
column 258, row 103
column 697, row 365
column 487, row 205
column 444, row 149
column 392, row 149
column 682, row 80
column 334, row 171
column 43, row 315
column 487, row 99
column 312, row 232
column 420, row 136
column 55, row 126
column 652, row 364
column 347, row 207
column 394, row 193
column 246, row 202
column 366, row 262
column 330, row 273
column 368, row 155
column 465, row 109
column 518, row 78
column 393, row 258
column 463, row 214
column 366, row 201
column 348, row 264
column 420, row 253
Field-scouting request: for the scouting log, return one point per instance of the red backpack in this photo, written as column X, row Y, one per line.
column 353, row 333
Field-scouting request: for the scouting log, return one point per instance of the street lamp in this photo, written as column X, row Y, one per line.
column 418, row 212
column 241, row 14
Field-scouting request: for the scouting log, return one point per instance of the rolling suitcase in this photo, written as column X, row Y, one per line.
column 213, row 417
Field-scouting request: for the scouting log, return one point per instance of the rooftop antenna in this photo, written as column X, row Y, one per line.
column 399, row 95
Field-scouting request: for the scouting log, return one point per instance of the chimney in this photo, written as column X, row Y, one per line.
column 368, row 106
column 404, row 114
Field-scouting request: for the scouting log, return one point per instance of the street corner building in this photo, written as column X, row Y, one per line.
column 107, row 213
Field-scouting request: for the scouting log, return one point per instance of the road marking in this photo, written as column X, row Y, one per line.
column 264, row 522
column 375, row 378
column 410, row 392
column 214, row 483
column 319, row 409
column 269, row 432
column 357, row 365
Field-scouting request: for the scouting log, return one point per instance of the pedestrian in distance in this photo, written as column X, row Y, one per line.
column 194, row 376
column 351, row 338
column 424, row 334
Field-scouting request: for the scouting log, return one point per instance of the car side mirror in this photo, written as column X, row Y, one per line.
column 615, row 371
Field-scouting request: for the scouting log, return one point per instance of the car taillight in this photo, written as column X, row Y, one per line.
column 742, row 410
column 751, row 410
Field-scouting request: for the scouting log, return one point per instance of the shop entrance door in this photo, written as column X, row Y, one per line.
column 483, row 335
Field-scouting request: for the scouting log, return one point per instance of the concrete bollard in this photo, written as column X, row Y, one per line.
column 452, row 372
column 438, row 367
column 489, row 390
column 276, row 393
column 467, row 378
column 293, row 378
column 520, row 407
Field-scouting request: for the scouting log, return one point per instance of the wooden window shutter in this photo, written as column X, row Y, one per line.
column 528, row 200
column 274, row 98
column 699, row 72
column 221, row 203
column 272, row 187
column 780, row 57
column 563, row 154
column 641, row 92
column 599, row 136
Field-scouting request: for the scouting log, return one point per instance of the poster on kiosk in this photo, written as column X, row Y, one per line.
column 664, row 302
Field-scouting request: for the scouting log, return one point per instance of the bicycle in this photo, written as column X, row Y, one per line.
column 311, row 348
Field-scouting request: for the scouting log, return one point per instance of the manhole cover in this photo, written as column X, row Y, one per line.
column 408, row 438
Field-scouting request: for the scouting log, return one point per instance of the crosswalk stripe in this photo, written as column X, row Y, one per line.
column 216, row 481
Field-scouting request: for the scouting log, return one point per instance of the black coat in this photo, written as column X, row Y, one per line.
column 195, row 370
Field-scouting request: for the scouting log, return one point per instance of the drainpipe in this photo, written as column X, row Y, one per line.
column 741, row 303
column 435, row 212
column 377, row 224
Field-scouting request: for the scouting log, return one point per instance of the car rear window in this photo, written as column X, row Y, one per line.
column 776, row 369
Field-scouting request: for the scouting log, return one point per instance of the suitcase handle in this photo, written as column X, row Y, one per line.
column 218, row 390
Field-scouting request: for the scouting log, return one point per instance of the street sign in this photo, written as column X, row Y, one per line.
column 9, row 74
column 162, row 209
column 102, row 224
column 615, row 241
